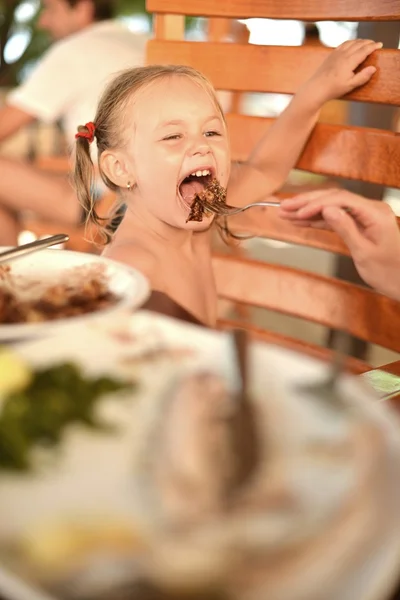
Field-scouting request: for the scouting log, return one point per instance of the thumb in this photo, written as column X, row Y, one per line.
column 344, row 225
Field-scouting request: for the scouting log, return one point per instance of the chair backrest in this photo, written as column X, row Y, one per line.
column 349, row 152
column 334, row 304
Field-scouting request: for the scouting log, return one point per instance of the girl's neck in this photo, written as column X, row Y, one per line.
column 136, row 223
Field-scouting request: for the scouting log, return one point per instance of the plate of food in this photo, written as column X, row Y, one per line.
column 112, row 476
column 47, row 290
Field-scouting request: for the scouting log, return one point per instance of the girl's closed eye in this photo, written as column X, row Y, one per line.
column 173, row 136
column 212, row 133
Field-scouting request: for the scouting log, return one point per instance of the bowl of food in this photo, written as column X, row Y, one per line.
column 47, row 290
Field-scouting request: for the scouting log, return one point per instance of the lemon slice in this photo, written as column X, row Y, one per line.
column 15, row 374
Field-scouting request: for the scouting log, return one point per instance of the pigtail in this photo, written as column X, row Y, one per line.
column 84, row 179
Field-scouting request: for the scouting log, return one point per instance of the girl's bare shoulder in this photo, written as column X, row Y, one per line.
column 134, row 255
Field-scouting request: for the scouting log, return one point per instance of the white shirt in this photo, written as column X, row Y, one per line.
column 71, row 76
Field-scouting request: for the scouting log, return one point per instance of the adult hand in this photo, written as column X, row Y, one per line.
column 368, row 227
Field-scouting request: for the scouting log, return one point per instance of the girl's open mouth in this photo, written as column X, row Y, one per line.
column 194, row 184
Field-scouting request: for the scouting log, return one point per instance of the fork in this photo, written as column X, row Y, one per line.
column 225, row 210
column 17, row 251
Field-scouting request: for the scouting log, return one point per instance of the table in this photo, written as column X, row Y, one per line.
column 161, row 303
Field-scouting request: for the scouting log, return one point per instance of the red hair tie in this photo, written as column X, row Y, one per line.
column 89, row 134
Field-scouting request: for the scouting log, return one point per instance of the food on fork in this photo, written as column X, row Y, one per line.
column 213, row 193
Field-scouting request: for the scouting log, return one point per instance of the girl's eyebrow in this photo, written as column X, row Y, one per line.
column 166, row 123
column 180, row 122
column 212, row 118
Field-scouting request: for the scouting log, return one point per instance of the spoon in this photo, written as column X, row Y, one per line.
column 19, row 251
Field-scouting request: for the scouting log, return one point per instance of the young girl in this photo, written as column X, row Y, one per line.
column 161, row 135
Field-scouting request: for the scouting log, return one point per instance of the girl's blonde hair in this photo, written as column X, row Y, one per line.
column 109, row 130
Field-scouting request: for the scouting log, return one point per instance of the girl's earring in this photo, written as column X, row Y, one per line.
column 128, row 186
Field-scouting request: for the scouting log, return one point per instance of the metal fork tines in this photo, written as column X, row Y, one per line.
column 225, row 210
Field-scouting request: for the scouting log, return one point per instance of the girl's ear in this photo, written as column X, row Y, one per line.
column 115, row 167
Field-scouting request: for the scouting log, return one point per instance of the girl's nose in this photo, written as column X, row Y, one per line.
column 200, row 146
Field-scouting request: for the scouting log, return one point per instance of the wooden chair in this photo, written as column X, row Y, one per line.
column 335, row 304
column 333, row 151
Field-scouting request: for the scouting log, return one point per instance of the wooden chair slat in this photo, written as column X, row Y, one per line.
column 305, row 10
column 265, row 223
column 353, row 364
column 169, row 27
column 351, row 152
column 316, row 298
column 218, row 30
column 276, row 69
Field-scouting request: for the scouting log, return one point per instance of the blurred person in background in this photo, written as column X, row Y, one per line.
column 89, row 47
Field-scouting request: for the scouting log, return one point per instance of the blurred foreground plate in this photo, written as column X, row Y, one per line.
column 90, row 478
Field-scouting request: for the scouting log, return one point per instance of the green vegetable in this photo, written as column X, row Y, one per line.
column 38, row 415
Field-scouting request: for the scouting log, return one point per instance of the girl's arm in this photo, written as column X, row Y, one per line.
column 278, row 151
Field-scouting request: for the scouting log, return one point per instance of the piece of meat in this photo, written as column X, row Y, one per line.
column 196, row 210
column 213, row 193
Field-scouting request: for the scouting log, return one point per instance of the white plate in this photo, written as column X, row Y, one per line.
column 48, row 266
column 93, row 475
